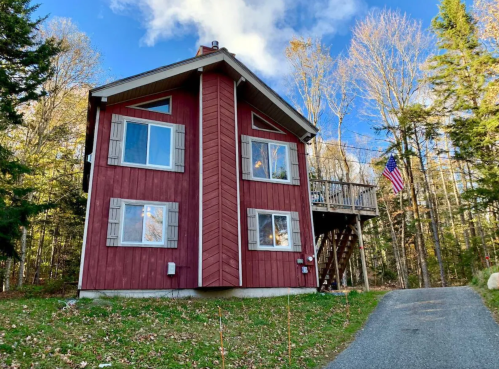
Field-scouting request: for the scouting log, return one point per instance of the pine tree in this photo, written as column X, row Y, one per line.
column 25, row 65
column 465, row 82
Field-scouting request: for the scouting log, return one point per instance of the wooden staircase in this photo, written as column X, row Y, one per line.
column 344, row 240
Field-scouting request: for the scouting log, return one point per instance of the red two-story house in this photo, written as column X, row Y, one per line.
column 197, row 185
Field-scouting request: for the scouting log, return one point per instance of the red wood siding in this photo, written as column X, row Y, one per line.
column 272, row 268
column 107, row 268
column 220, row 265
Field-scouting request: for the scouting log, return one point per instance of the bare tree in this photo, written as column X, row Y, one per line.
column 310, row 62
column 340, row 94
column 387, row 50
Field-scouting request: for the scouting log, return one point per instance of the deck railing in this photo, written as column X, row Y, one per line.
column 336, row 195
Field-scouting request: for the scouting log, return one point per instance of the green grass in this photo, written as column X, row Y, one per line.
column 490, row 297
column 183, row 333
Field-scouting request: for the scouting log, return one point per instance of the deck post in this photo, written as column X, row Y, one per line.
column 362, row 254
column 351, row 196
column 327, row 196
column 335, row 252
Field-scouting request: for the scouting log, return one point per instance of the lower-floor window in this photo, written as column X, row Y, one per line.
column 143, row 224
column 274, row 230
column 138, row 223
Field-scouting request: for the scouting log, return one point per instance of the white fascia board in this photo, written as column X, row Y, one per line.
column 298, row 119
column 141, row 81
column 216, row 57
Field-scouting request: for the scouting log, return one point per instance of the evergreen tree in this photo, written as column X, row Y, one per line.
column 464, row 83
column 25, row 65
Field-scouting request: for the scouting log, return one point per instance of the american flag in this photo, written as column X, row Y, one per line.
column 393, row 174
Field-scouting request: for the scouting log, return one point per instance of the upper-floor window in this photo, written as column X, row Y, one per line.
column 162, row 105
column 269, row 160
column 261, row 124
column 148, row 144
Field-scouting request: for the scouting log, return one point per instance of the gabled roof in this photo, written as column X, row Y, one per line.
column 301, row 127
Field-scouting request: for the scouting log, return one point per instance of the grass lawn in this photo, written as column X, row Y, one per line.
column 490, row 297
column 178, row 333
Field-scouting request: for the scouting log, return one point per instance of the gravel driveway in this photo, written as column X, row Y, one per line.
column 426, row 328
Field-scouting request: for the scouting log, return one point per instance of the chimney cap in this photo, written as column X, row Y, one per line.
column 214, row 45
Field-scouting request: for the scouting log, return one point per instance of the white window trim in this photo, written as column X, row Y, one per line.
column 288, row 159
column 253, row 115
column 136, row 106
column 144, row 204
column 290, row 231
column 149, row 123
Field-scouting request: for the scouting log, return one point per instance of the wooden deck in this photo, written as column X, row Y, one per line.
column 339, row 210
column 343, row 198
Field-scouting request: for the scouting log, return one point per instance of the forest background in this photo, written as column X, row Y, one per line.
column 429, row 96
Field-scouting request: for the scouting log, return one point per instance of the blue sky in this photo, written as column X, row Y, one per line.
column 134, row 36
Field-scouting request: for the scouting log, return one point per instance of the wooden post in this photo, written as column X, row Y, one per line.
column 351, row 196
column 327, row 196
column 336, row 260
column 362, row 254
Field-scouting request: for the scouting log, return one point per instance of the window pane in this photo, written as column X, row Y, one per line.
column 278, row 161
column 281, row 230
column 260, row 153
column 161, row 106
column 132, row 224
column 154, row 223
column 261, row 124
column 160, row 141
column 265, row 229
column 136, row 143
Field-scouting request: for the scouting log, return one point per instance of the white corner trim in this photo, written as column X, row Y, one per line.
column 312, row 221
column 232, row 292
column 237, row 190
column 90, row 184
column 200, row 230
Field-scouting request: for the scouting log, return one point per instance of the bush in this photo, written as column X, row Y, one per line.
column 31, row 291
column 52, row 287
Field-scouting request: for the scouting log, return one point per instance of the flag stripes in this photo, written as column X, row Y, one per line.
column 393, row 174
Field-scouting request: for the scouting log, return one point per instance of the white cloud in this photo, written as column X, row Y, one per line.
column 257, row 31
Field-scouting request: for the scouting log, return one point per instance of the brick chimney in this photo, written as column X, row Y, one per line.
column 206, row 49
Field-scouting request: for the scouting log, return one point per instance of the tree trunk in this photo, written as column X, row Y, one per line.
column 429, row 202
column 402, row 272
column 53, row 251
column 20, row 279
column 6, row 281
column 36, row 277
column 420, row 244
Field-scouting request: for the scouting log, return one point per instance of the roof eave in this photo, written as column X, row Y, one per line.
column 199, row 62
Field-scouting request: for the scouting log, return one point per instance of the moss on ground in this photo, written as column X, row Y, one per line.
column 178, row 333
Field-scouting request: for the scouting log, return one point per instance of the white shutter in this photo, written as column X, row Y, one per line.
column 113, row 225
column 295, row 229
column 252, row 230
column 293, row 158
column 171, row 239
column 116, row 140
column 246, row 157
column 179, row 140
